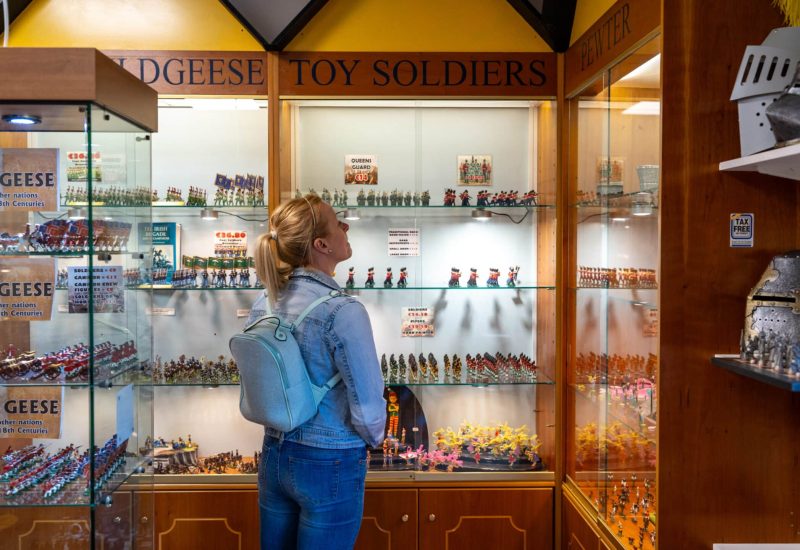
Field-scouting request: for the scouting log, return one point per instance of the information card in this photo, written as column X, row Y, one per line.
column 31, row 412
column 417, row 322
column 26, row 288
column 404, row 242
column 28, row 180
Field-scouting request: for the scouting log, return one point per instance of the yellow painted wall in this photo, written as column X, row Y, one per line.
column 131, row 25
column 586, row 13
column 418, row 26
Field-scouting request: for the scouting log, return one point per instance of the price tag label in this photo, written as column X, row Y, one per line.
column 161, row 311
column 404, row 242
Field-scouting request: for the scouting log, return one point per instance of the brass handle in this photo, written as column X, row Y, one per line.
column 144, row 519
column 432, row 517
column 404, row 518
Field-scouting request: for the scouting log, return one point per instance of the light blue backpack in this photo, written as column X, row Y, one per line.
column 275, row 389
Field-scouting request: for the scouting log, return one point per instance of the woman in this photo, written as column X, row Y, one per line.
column 311, row 480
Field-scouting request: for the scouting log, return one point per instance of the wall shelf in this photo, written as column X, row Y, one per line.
column 783, row 162
column 768, row 376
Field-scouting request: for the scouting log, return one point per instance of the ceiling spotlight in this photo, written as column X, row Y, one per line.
column 481, row 215
column 77, row 214
column 352, row 214
column 209, row 214
column 23, row 120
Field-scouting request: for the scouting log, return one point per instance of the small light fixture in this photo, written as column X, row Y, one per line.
column 352, row 214
column 77, row 214
column 209, row 214
column 481, row 215
column 642, row 204
column 22, row 120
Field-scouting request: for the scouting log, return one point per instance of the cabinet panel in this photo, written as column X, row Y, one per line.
column 390, row 520
column 486, row 518
column 206, row 519
column 576, row 532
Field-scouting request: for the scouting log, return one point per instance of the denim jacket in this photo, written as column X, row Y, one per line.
column 336, row 336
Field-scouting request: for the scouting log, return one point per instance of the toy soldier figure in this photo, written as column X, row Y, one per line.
column 494, row 274
column 350, row 278
column 425, row 198
column 512, row 276
column 384, row 368
column 385, row 199
column 371, row 198
column 336, row 197
column 326, row 196
column 387, row 282
column 402, row 281
column 455, row 275
column 361, row 198
column 343, row 197
column 407, row 200
column 464, row 196
column 473, row 277
column 415, row 199
column 370, row 278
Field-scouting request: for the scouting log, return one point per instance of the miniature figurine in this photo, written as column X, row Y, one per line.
column 465, row 198
column 393, row 414
column 512, row 276
column 387, row 282
column 371, row 198
column 425, row 198
column 494, row 275
column 370, row 283
column 455, row 276
column 473, row 277
column 361, row 198
column 402, row 281
column 407, row 199
column 350, row 278
column 384, row 368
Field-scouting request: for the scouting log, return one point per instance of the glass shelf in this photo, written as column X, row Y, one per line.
column 74, row 494
column 102, row 382
column 456, row 207
column 618, row 410
column 165, row 205
column 615, row 201
column 766, row 375
column 211, row 385
column 463, row 287
column 54, row 254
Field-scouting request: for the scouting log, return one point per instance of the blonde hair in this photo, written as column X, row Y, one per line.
column 293, row 227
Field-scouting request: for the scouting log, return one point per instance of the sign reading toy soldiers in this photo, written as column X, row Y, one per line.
column 31, row 412
column 28, row 180
column 360, row 169
column 108, row 291
column 26, row 288
column 416, row 322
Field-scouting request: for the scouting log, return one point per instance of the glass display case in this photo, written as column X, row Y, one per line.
column 211, row 207
column 76, row 418
column 611, row 424
column 451, row 209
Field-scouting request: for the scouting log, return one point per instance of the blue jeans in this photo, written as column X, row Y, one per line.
column 309, row 497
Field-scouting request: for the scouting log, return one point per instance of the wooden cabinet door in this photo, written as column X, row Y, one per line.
column 486, row 518
column 577, row 533
column 389, row 521
column 218, row 519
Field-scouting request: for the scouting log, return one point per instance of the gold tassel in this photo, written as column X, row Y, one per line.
column 790, row 9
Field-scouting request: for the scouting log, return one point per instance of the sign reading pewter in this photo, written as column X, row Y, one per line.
column 31, row 412
column 28, row 180
column 404, row 242
column 417, row 322
column 26, row 288
column 108, row 292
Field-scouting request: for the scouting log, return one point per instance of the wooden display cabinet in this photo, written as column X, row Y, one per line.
column 611, row 394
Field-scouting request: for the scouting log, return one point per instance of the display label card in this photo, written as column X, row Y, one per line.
column 360, row 170
column 107, row 285
column 161, row 311
column 78, row 167
column 475, row 170
column 417, row 322
column 242, row 313
column 165, row 239
column 125, row 414
column 650, row 327
column 28, row 180
column 31, row 412
column 114, row 169
column 26, row 288
column 404, row 242
column 742, row 230
column 230, row 243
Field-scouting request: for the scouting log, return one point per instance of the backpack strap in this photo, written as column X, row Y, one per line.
column 313, row 305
